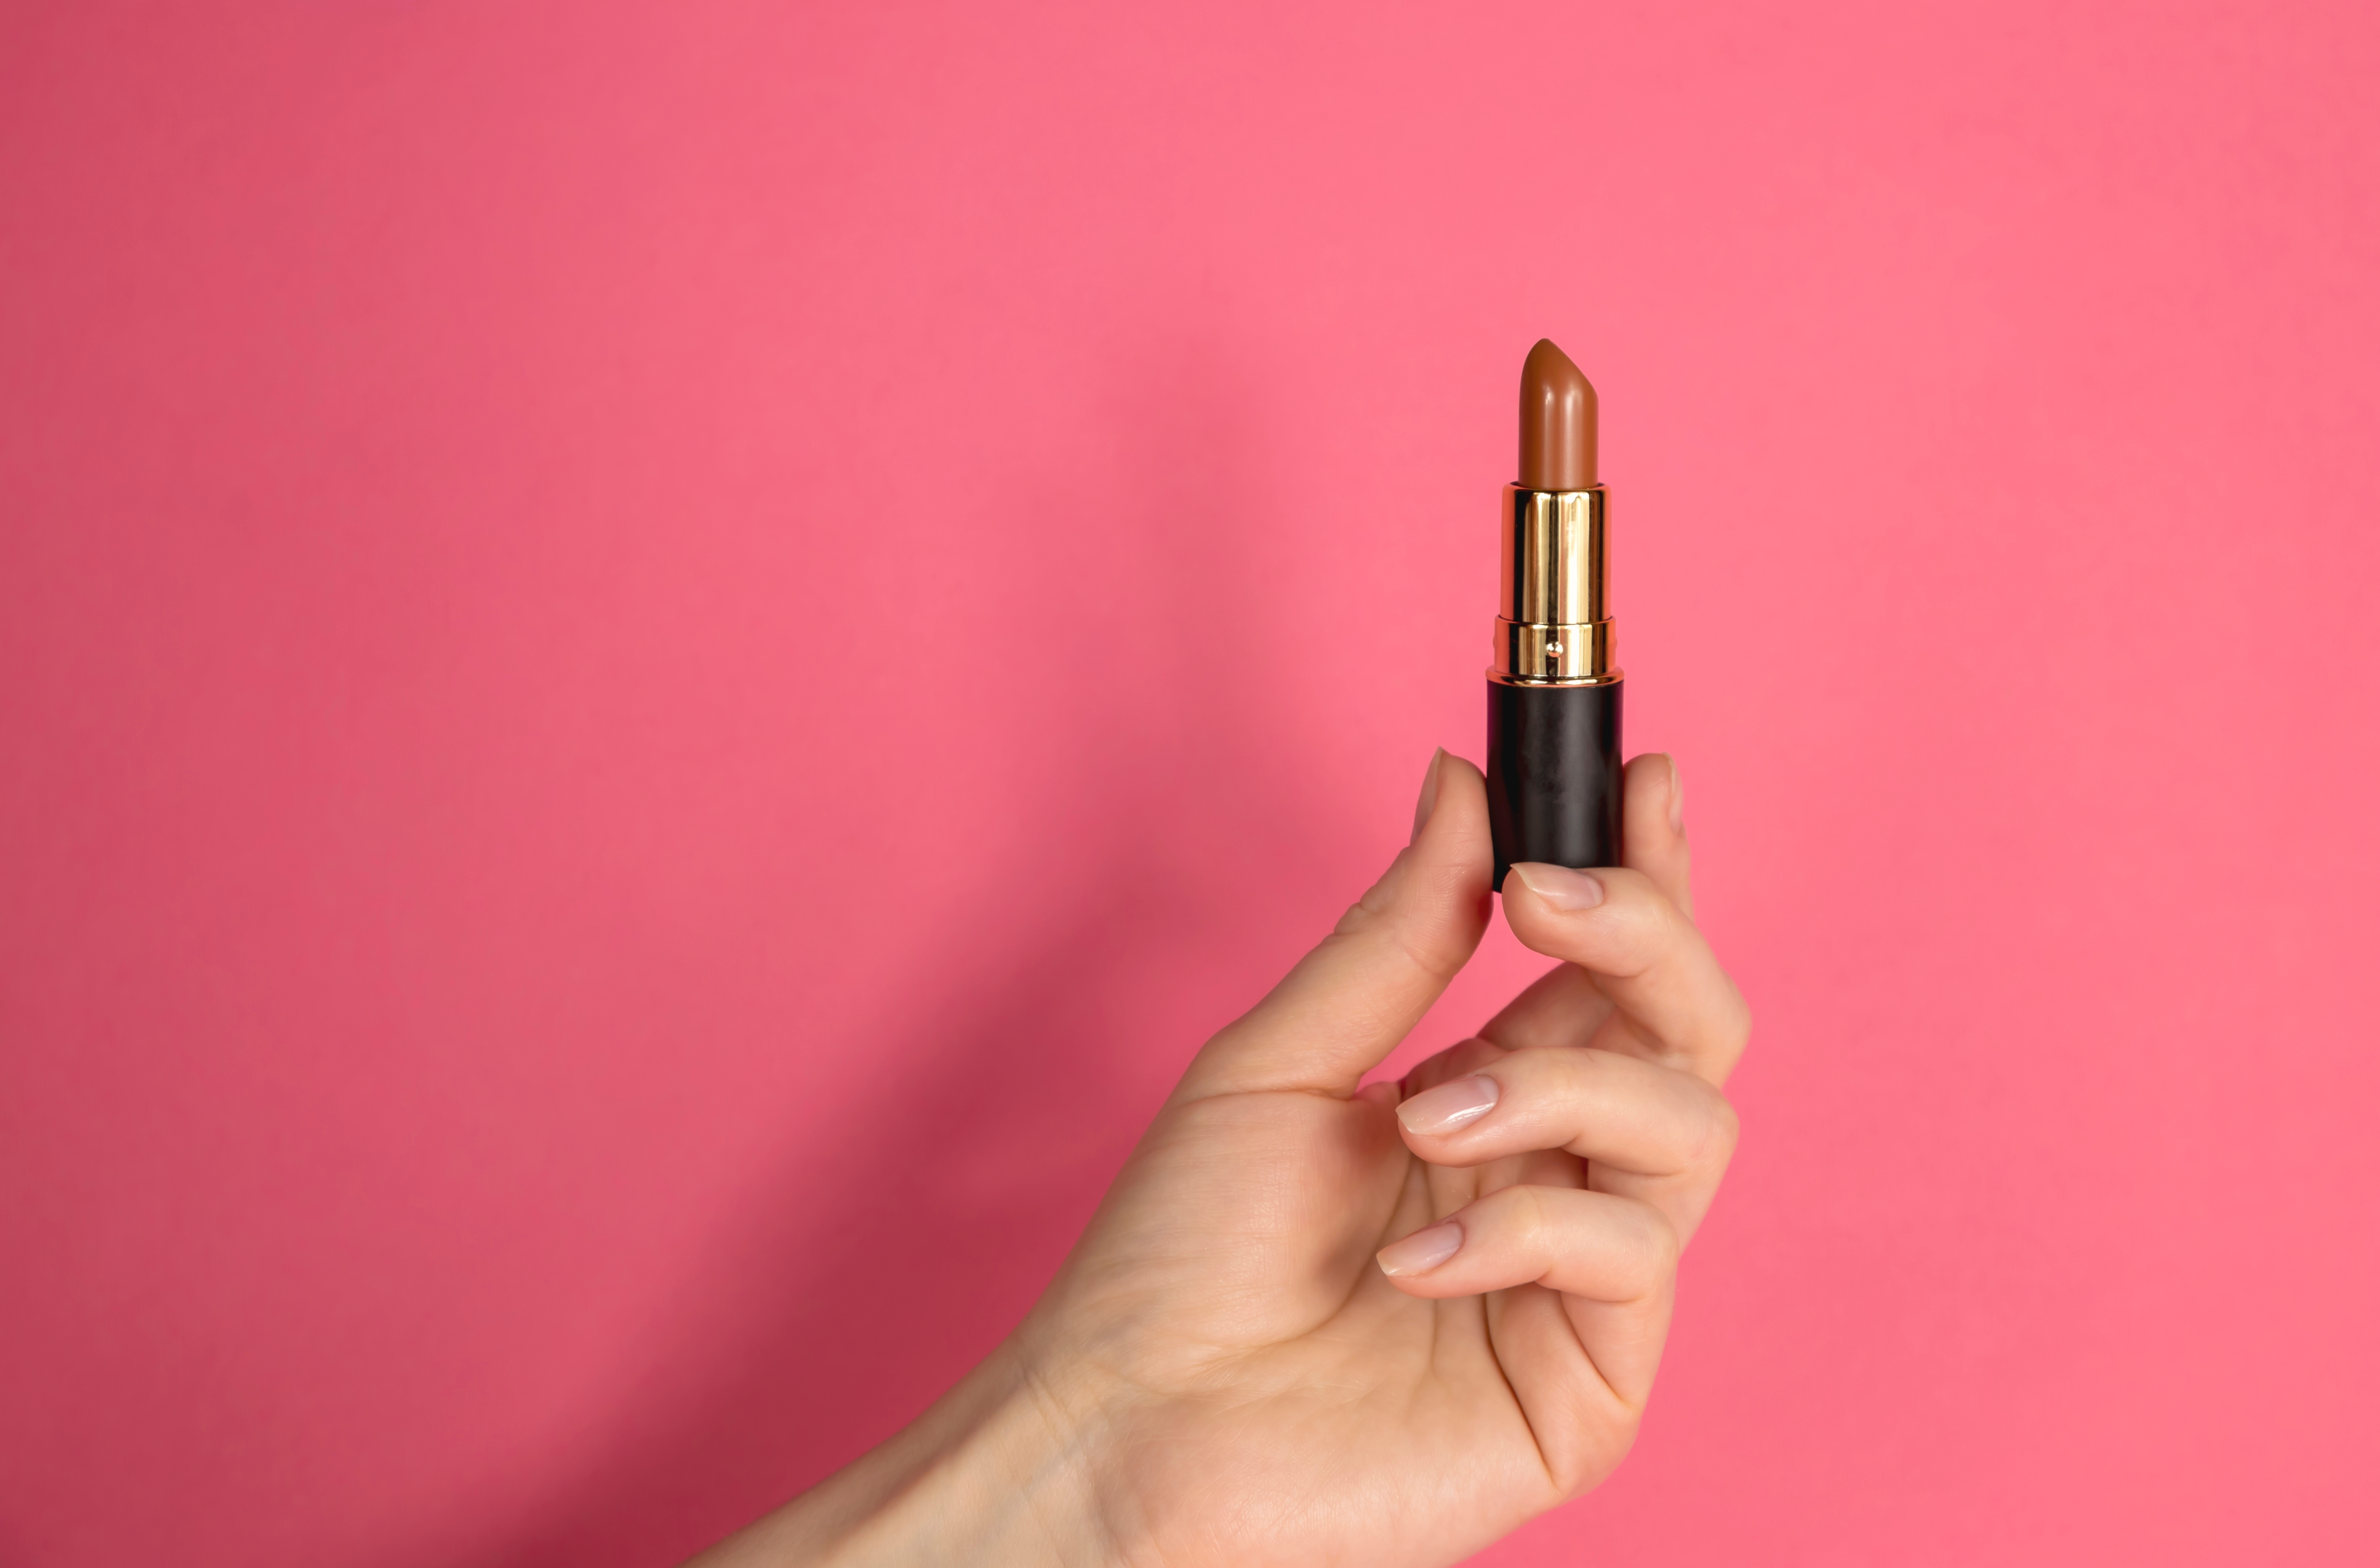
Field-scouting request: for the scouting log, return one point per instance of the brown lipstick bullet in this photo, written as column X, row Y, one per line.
column 1558, row 422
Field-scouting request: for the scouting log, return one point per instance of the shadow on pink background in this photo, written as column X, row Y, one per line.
column 583, row 915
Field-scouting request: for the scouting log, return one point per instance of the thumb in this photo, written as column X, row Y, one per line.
column 1351, row 999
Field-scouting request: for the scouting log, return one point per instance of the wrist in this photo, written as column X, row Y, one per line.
column 1002, row 1470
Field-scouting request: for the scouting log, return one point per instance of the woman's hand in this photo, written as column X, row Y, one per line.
column 1314, row 1322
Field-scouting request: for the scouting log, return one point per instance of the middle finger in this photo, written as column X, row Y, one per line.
column 1662, row 1135
column 1645, row 955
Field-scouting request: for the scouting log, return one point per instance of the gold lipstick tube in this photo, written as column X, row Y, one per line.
column 1553, row 625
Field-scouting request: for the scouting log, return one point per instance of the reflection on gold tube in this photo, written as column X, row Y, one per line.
column 1554, row 625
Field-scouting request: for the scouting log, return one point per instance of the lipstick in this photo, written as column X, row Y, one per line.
column 1553, row 692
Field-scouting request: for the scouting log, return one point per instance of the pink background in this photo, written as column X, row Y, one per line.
column 582, row 924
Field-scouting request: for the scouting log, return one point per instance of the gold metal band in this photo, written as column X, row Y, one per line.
column 1554, row 626
column 1579, row 653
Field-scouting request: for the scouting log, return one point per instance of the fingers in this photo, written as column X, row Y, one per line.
column 1644, row 954
column 1614, row 1259
column 1351, row 999
column 1564, row 1007
column 1599, row 1105
column 1584, row 1244
column 1653, row 827
column 1651, row 1132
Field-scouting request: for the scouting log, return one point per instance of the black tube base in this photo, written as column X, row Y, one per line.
column 1553, row 774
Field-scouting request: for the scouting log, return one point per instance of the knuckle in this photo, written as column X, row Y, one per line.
column 1529, row 1222
column 1565, row 1077
column 1527, row 1228
column 1728, row 1127
column 1735, row 1026
column 1380, row 898
column 1647, row 932
column 1435, row 957
column 1722, row 1130
column 1656, row 1251
column 1365, row 911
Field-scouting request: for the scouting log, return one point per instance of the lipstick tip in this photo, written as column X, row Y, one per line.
column 1546, row 360
column 1558, row 422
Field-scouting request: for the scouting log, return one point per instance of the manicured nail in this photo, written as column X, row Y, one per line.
column 1677, row 800
column 1423, row 1250
column 1429, row 801
column 1560, row 886
column 1449, row 1105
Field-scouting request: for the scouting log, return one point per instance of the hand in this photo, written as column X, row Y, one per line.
column 1224, row 1372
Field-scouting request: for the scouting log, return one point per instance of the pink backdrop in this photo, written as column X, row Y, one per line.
column 582, row 927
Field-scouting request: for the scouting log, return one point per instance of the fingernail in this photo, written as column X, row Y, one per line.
column 1429, row 801
column 1560, row 886
column 1677, row 800
column 1448, row 1106
column 1423, row 1250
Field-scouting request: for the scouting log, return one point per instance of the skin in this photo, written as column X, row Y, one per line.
column 1260, row 1351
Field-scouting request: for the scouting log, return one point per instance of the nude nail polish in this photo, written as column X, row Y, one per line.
column 1423, row 1250
column 1429, row 801
column 1450, row 1106
column 1560, row 886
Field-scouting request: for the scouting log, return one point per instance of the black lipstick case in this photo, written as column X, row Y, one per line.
column 1553, row 774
